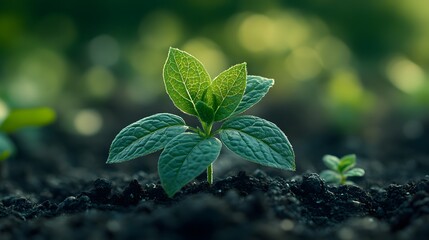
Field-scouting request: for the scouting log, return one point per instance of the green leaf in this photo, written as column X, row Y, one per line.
column 330, row 176
column 256, row 88
column 259, row 141
column 184, row 158
column 145, row 136
column 6, row 147
column 347, row 162
column 185, row 80
column 355, row 172
column 228, row 89
column 331, row 162
column 205, row 112
column 31, row 117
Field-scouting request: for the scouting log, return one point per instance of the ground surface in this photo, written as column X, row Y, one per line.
column 65, row 191
column 242, row 206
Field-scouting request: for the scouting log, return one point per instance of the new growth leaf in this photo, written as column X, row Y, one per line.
column 340, row 169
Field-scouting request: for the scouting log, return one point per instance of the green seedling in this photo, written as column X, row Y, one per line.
column 21, row 118
column 340, row 169
column 6, row 147
column 11, row 121
column 188, row 151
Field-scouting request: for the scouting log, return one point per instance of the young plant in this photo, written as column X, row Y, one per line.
column 6, row 147
column 187, row 154
column 340, row 169
column 11, row 121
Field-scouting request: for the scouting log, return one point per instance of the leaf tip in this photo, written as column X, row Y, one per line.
column 292, row 163
column 244, row 65
column 110, row 160
column 171, row 194
column 169, row 191
column 172, row 51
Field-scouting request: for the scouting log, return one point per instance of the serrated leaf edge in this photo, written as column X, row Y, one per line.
column 171, row 49
column 244, row 65
column 109, row 160
column 267, row 144
column 244, row 94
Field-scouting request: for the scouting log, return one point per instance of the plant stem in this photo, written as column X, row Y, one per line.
column 343, row 179
column 210, row 174
column 207, row 128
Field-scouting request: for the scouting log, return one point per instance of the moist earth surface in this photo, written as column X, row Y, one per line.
column 244, row 205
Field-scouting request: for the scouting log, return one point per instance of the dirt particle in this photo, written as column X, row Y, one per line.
column 312, row 184
column 73, row 204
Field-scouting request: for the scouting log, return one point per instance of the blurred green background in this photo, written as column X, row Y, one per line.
column 350, row 75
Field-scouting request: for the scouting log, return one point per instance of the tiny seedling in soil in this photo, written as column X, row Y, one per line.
column 188, row 151
column 340, row 169
column 11, row 121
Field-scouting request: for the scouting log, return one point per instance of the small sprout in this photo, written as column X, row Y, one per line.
column 188, row 151
column 340, row 169
column 6, row 147
column 15, row 119
column 27, row 117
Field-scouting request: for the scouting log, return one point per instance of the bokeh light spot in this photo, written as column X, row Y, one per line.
column 405, row 74
column 25, row 91
column 160, row 30
column 345, row 87
column 333, row 52
column 303, row 63
column 257, row 33
column 39, row 77
column 293, row 28
column 287, row 225
column 4, row 111
column 88, row 122
column 100, row 82
column 104, row 50
column 208, row 53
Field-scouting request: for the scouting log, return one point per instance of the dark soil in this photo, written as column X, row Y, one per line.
column 66, row 191
column 242, row 206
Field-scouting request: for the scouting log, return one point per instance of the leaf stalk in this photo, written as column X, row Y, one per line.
column 207, row 128
column 210, row 174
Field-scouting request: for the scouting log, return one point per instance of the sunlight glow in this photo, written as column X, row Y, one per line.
column 345, row 87
column 304, row 63
column 333, row 52
column 4, row 111
column 208, row 53
column 39, row 77
column 405, row 74
column 257, row 33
